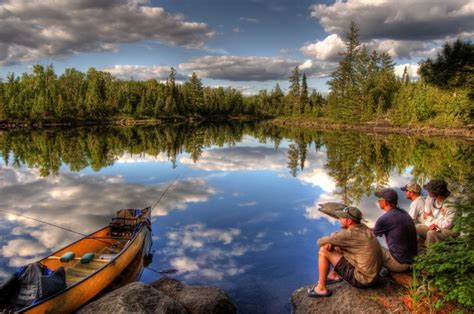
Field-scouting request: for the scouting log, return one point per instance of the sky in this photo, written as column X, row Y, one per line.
column 247, row 44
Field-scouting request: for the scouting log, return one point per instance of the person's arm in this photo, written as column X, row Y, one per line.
column 380, row 228
column 336, row 239
column 446, row 220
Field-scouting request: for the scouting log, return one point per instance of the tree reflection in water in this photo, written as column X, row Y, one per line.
column 357, row 162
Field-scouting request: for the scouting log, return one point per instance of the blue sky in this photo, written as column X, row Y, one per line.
column 248, row 44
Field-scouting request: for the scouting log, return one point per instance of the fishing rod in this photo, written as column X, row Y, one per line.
column 164, row 192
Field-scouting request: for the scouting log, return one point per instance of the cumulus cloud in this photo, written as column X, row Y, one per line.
column 142, row 72
column 330, row 48
column 412, row 70
column 326, row 50
column 30, row 30
column 398, row 20
column 237, row 68
column 251, row 68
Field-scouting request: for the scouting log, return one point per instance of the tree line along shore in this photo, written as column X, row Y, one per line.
column 363, row 90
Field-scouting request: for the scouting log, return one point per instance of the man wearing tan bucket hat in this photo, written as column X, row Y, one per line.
column 417, row 207
column 439, row 213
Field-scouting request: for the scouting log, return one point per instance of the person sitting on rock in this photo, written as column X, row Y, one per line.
column 354, row 253
column 439, row 214
column 399, row 231
column 417, row 206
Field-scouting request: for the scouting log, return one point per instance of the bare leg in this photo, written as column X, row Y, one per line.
column 325, row 260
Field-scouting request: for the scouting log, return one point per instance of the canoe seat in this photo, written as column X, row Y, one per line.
column 87, row 258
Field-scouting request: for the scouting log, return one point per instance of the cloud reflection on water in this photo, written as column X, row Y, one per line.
column 199, row 251
column 78, row 202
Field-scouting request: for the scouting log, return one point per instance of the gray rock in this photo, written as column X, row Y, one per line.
column 384, row 297
column 136, row 297
column 196, row 299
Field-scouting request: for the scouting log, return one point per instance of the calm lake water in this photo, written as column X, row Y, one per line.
column 242, row 214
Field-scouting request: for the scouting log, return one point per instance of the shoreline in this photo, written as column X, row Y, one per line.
column 379, row 128
column 465, row 133
column 5, row 125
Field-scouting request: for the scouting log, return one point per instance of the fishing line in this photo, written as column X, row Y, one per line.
column 53, row 225
column 44, row 222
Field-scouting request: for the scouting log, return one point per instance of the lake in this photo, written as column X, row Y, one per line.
column 242, row 213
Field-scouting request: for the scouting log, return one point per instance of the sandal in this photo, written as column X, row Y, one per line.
column 330, row 281
column 313, row 294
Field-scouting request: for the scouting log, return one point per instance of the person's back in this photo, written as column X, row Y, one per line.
column 399, row 230
column 364, row 252
column 400, row 233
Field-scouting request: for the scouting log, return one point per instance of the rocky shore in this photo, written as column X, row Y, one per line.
column 166, row 295
column 381, row 127
column 384, row 297
column 169, row 295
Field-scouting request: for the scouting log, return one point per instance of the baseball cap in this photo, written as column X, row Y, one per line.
column 413, row 187
column 350, row 212
column 388, row 194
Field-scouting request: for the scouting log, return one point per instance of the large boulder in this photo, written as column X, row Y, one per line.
column 384, row 297
column 196, row 299
column 136, row 297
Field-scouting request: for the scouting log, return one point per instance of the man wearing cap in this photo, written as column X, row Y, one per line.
column 417, row 207
column 399, row 231
column 354, row 252
column 438, row 214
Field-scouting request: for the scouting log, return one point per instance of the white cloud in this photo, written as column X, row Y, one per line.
column 326, row 50
column 142, row 72
column 30, row 30
column 412, row 70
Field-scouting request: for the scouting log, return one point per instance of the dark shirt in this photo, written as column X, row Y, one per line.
column 400, row 234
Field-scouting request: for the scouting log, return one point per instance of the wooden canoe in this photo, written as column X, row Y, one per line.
column 84, row 281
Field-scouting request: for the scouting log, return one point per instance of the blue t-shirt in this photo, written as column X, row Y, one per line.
column 400, row 234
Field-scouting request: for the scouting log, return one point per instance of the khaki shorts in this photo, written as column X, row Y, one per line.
column 392, row 264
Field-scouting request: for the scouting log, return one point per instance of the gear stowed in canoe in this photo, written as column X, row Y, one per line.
column 73, row 275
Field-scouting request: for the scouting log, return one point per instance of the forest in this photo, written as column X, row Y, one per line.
column 363, row 88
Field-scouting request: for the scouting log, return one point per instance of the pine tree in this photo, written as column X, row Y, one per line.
column 295, row 92
column 304, row 100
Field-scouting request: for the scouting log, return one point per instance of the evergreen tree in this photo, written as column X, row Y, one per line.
column 294, row 93
column 304, row 100
column 277, row 100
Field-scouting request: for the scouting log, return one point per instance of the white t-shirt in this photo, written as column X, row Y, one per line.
column 417, row 208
